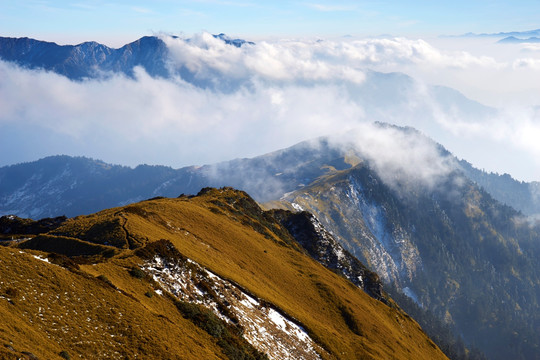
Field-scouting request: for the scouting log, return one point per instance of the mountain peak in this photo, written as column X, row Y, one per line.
column 234, row 42
column 212, row 279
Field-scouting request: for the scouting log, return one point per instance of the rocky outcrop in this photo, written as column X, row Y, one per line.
column 14, row 225
column 321, row 246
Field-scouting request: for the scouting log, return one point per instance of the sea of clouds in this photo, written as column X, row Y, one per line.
column 224, row 102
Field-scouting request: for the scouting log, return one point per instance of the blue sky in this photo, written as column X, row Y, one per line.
column 117, row 22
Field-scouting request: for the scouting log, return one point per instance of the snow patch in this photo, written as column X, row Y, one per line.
column 264, row 327
column 41, row 258
column 297, row 207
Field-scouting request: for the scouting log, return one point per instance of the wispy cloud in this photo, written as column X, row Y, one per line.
column 226, row 3
column 141, row 10
column 402, row 158
column 530, row 63
column 331, row 8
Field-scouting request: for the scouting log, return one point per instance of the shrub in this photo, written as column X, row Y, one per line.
column 12, row 292
column 228, row 337
column 137, row 273
column 106, row 281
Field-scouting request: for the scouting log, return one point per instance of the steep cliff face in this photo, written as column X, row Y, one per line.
column 451, row 248
column 357, row 206
column 321, row 246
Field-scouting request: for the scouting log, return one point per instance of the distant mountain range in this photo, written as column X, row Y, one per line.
column 86, row 60
column 515, row 40
column 453, row 249
column 64, row 185
column 385, row 97
column 518, row 34
column 93, row 60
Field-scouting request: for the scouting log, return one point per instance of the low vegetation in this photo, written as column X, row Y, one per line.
column 97, row 305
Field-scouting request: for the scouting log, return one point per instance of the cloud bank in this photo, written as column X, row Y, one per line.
column 225, row 102
column 402, row 157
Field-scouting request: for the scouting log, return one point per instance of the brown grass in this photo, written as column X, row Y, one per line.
column 212, row 231
column 56, row 310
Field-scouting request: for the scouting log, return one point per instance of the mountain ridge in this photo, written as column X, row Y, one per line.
column 93, row 60
column 186, row 249
column 534, row 32
column 435, row 234
column 449, row 249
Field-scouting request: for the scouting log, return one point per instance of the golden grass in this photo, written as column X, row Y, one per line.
column 212, row 231
column 55, row 310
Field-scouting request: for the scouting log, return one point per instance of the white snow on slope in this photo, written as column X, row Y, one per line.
column 266, row 328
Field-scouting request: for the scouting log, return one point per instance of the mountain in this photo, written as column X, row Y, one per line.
column 528, row 33
column 393, row 198
column 521, row 195
column 452, row 249
column 515, row 40
column 94, row 60
column 455, row 251
column 209, row 276
column 86, row 60
column 236, row 42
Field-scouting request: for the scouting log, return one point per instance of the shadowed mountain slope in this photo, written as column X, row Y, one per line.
column 453, row 249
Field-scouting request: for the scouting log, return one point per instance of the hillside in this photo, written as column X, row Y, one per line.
column 452, row 249
column 426, row 223
column 136, row 281
column 522, row 196
column 71, row 186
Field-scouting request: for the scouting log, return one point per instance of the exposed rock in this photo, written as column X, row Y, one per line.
column 322, row 246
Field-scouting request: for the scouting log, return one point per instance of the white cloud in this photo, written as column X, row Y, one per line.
column 530, row 63
column 402, row 158
column 330, row 8
column 179, row 123
column 402, row 51
column 314, row 60
column 288, row 60
column 231, row 102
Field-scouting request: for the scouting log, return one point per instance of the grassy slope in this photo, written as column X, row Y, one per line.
column 56, row 309
column 343, row 319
